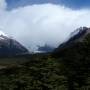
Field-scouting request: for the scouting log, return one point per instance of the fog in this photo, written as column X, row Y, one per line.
column 41, row 24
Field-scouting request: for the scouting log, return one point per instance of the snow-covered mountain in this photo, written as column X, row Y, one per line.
column 77, row 36
column 9, row 46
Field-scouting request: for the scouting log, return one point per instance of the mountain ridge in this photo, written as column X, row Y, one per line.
column 10, row 47
column 74, row 39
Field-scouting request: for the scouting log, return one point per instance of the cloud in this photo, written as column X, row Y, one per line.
column 3, row 5
column 41, row 24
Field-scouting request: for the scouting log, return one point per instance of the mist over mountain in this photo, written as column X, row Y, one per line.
column 78, row 36
column 40, row 24
column 44, row 49
column 44, row 46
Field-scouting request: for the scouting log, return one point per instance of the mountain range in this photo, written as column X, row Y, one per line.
column 10, row 47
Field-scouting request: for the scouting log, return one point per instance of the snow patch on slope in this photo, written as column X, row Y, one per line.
column 2, row 35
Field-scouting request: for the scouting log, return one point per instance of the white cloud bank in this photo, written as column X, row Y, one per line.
column 41, row 24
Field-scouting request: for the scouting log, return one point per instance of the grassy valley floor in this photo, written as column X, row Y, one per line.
column 35, row 72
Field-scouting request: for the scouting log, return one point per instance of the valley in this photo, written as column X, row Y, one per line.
column 66, row 68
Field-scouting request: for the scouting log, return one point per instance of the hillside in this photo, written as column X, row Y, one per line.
column 67, row 68
column 10, row 47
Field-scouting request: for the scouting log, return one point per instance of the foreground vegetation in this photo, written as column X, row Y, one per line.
column 39, row 73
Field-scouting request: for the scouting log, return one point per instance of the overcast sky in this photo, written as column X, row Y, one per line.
column 40, row 22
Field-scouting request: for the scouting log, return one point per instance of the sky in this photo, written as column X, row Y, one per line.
column 74, row 4
column 40, row 22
